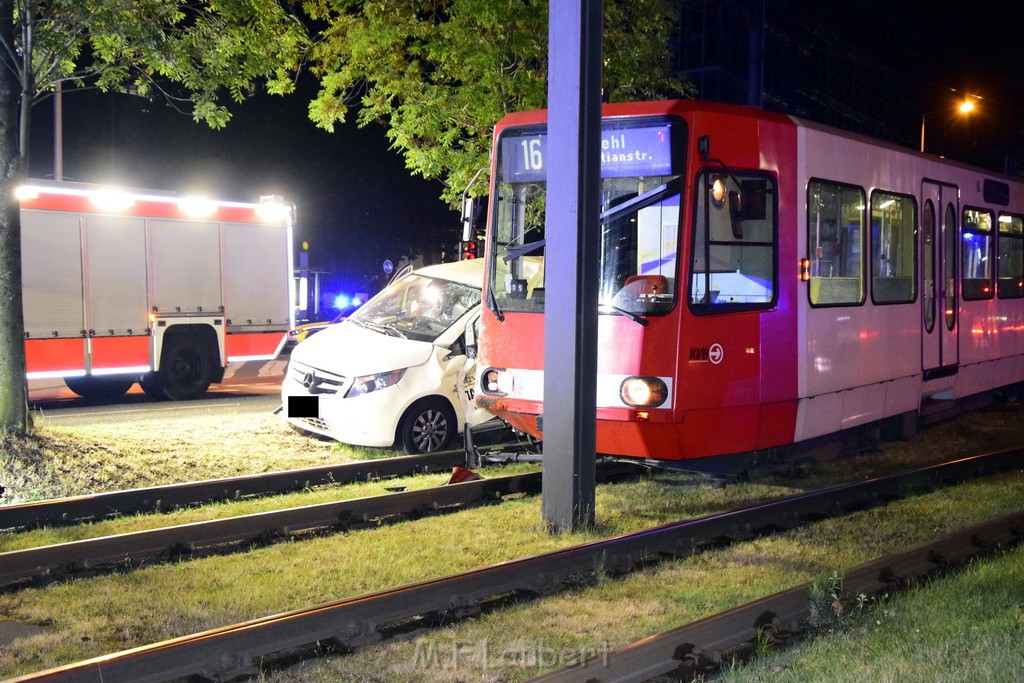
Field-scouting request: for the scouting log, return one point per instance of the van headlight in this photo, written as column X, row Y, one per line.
column 367, row 383
column 646, row 392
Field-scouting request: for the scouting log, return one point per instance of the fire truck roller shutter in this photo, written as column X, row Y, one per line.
column 188, row 364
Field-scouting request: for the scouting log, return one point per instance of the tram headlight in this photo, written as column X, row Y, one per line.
column 645, row 392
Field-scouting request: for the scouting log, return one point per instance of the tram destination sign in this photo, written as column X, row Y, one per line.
column 642, row 149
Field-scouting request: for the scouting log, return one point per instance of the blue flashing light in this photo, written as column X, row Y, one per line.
column 344, row 301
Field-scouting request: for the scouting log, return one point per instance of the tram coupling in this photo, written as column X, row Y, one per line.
column 496, row 442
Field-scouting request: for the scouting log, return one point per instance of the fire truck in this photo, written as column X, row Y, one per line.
column 166, row 291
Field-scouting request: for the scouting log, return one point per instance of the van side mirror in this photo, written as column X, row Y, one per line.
column 470, row 337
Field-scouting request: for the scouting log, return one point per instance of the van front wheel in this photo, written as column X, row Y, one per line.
column 427, row 426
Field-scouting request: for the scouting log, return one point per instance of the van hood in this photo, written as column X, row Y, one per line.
column 350, row 350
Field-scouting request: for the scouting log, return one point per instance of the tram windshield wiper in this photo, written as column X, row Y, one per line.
column 642, row 201
column 492, row 304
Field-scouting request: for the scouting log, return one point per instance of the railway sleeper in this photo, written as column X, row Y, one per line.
column 539, row 584
column 461, row 608
column 357, row 634
column 268, row 537
column 677, row 551
column 250, row 665
column 777, row 631
column 914, row 571
column 171, row 553
column 695, row 660
column 711, row 543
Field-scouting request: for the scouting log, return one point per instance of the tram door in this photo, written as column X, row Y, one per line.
column 940, row 306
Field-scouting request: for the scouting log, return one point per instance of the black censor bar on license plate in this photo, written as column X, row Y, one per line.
column 303, row 406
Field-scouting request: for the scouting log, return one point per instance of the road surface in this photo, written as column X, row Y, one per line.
column 247, row 388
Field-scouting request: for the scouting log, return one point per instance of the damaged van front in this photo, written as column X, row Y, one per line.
column 400, row 371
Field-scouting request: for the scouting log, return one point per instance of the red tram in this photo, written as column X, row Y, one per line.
column 765, row 281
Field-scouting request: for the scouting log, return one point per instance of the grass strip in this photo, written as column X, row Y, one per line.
column 115, row 612
column 536, row 636
column 86, row 618
column 968, row 626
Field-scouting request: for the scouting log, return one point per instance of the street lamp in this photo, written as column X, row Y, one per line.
column 965, row 107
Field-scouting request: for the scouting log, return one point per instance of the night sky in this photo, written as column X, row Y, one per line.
column 933, row 54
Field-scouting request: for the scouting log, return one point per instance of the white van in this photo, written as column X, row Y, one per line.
column 400, row 371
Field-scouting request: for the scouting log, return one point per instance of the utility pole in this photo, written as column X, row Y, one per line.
column 571, row 252
column 58, row 133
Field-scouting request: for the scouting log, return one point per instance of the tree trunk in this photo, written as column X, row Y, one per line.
column 14, row 414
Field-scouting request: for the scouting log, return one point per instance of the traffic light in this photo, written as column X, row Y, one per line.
column 468, row 249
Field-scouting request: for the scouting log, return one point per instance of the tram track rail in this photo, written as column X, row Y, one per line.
column 65, row 560
column 242, row 649
column 701, row 647
column 77, row 509
column 48, row 563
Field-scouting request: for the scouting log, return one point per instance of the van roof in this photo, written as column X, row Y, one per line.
column 468, row 272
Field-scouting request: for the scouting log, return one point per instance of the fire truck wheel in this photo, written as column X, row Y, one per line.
column 152, row 386
column 100, row 387
column 428, row 426
column 186, row 370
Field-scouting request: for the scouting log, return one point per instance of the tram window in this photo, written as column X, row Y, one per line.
column 733, row 264
column 1011, row 256
column 835, row 241
column 976, row 253
column 639, row 239
column 893, row 255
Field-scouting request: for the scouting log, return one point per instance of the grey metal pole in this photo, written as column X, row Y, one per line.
column 58, row 132
column 571, row 263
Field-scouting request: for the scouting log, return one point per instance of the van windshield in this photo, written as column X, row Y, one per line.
column 417, row 307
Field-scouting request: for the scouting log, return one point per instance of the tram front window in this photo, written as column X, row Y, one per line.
column 639, row 230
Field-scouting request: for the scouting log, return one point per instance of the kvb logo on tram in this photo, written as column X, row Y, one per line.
column 709, row 354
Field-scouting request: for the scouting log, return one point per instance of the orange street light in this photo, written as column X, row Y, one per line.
column 965, row 107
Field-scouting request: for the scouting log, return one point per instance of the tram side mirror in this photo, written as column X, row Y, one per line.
column 474, row 217
column 736, row 214
column 749, row 204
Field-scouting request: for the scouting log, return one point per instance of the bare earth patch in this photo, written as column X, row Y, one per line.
column 56, row 461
